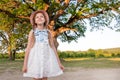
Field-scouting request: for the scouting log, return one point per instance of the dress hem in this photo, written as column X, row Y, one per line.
column 30, row 75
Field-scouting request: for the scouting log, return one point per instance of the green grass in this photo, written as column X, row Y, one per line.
column 91, row 63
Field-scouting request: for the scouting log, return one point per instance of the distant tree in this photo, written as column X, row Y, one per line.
column 99, row 52
column 13, row 27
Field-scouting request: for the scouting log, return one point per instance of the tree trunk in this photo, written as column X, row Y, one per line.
column 56, row 46
column 10, row 53
column 13, row 54
column 55, row 42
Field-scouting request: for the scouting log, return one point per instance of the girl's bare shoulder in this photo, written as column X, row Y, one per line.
column 31, row 32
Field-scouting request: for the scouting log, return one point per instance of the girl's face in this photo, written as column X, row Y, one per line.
column 39, row 19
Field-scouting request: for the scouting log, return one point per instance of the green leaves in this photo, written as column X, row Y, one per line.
column 77, row 30
column 14, row 17
column 14, row 23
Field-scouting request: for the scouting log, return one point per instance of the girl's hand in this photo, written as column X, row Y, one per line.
column 61, row 67
column 24, row 69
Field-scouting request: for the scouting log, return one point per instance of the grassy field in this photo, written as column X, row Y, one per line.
column 93, row 63
column 79, row 63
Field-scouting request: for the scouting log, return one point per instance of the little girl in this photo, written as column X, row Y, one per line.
column 41, row 59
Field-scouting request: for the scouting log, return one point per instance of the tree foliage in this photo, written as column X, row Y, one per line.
column 68, row 18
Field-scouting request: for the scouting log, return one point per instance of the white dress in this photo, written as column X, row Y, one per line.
column 42, row 61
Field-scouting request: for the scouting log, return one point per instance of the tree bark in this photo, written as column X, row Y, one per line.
column 55, row 42
column 34, row 1
column 13, row 54
column 10, row 53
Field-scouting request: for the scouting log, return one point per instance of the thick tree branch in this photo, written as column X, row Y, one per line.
column 61, row 30
column 61, row 11
column 34, row 1
column 12, row 15
column 114, row 9
column 58, row 14
column 67, row 2
column 7, row 13
column 23, row 17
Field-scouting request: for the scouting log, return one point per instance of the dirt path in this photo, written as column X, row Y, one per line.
column 70, row 74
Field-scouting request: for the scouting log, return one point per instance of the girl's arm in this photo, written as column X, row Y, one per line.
column 29, row 46
column 55, row 50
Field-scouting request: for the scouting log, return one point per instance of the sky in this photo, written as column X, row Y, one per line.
column 93, row 40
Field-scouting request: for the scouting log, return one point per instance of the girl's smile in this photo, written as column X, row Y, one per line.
column 39, row 19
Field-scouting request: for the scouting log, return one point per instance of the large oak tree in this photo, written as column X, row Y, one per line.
column 68, row 19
